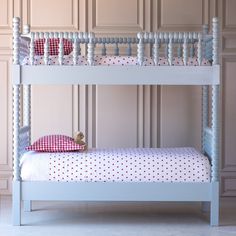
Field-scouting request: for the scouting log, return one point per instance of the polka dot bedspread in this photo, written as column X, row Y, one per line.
column 115, row 60
column 117, row 165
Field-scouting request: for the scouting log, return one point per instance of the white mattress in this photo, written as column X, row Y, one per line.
column 117, row 165
column 114, row 61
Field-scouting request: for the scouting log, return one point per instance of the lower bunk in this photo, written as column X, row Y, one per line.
column 126, row 174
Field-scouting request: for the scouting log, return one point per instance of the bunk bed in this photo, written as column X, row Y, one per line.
column 196, row 63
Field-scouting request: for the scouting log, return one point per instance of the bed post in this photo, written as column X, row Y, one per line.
column 27, row 122
column 16, row 195
column 205, row 110
column 215, row 131
column 205, row 97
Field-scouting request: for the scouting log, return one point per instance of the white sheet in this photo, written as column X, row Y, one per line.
column 118, row 165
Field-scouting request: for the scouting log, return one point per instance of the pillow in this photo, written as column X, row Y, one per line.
column 53, row 46
column 55, row 143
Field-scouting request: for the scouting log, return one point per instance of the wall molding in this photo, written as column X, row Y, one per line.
column 205, row 18
column 224, row 165
column 73, row 26
column 6, row 161
column 6, row 28
column 227, row 181
column 229, row 39
column 227, row 26
column 5, row 183
column 119, row 28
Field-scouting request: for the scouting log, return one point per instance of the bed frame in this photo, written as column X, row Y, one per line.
column 206, row 76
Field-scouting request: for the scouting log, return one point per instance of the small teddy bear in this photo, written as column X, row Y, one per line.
column 78, row 138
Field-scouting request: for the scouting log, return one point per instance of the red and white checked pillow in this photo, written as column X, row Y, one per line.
column 55, row 143
column 53, row 46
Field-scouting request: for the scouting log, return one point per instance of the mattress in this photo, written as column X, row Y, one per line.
column 117, row 165
column 114, row 60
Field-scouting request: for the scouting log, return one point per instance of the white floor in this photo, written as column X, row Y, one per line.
column 126, row 219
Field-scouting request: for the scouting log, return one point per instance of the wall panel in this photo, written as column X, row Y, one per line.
column 228, row 165
column 6, row 11
column 180, row 116
column 229, row 113
column 228, row 187
column 117, row 116
column 5, row 161
column 228, row 15
column 103, row 20
column 52, row 110
column 229, row 43
column 5, row 184
column 53, row 14
column 183, row 14
column 5, row 125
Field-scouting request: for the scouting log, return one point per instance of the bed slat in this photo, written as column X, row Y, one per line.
column 61, row 49
column 208, row 141
column 46, row 48
column 199, row 48
column 185, row 49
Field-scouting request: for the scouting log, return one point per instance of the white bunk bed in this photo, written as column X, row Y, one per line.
column 25, row 73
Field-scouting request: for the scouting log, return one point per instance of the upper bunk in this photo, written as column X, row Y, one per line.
column 152, row 58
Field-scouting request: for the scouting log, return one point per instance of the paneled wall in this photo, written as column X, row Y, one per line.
column 120, row 116
column 6, row 14
column 227, row 10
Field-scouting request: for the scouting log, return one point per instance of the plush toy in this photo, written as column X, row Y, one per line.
column 78, row 138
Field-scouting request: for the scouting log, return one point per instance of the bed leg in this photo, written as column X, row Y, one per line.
column 27, row 206
column 205, row 207
column 214, row 214
column 16, row 203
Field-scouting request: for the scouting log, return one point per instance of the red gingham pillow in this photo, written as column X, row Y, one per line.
column 55, row 143
column 53, row 46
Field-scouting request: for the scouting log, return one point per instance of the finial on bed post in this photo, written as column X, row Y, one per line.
column 26, row 29
column 91, row 49
column 215, row 32
column 16, row 38
column 140, row 48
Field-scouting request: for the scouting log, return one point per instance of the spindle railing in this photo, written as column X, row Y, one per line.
column 184, row 45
